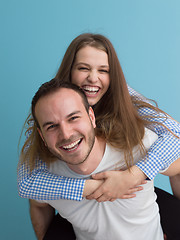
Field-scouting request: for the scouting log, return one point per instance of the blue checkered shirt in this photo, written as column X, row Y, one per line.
column 42, row 185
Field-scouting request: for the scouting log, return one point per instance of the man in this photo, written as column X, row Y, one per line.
column 66, row 125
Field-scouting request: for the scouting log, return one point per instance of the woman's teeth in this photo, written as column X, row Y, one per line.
column 91, row 90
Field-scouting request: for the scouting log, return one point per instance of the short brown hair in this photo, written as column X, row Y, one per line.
column 52, row 86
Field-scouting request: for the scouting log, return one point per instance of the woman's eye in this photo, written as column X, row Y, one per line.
column 83, row 68
column 104, row 70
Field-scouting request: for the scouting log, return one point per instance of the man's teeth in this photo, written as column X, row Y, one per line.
column 72, row 145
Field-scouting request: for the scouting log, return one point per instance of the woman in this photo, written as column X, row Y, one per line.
column 91, row 62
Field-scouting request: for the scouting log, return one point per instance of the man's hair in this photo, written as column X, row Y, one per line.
column 53, row 86
column 34, row 147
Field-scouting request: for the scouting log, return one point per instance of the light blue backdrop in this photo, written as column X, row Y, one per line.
column 33, row 37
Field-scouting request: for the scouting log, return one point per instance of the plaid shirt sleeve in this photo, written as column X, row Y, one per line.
column 166, row 149
column 40, row 184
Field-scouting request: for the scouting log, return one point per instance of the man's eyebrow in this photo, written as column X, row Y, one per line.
column 73, row 113
column 68, row 116
column 47, row 123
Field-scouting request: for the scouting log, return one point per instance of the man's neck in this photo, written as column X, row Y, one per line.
column 93, row 160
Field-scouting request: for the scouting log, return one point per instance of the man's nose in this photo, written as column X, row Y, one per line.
column 65, row 131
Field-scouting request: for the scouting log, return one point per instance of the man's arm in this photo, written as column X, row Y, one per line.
column 41, row 217
column 175, row 185
column 173, row 169
column 174, row 175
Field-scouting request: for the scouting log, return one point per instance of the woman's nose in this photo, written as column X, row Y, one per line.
column 93, row 77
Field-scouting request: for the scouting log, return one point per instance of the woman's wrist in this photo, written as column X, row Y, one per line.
column 90, row 186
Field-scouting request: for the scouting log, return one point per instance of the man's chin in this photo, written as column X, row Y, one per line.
column 75, row 163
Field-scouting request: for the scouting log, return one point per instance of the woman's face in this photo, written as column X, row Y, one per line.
column 91, row 72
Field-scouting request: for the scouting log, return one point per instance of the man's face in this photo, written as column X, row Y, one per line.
column 65, row 126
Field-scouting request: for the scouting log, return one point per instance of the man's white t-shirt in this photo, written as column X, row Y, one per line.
column 123, row 219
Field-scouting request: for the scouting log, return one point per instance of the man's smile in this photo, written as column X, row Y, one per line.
column 72, row 146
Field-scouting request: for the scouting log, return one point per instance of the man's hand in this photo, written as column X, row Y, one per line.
column 118, row 184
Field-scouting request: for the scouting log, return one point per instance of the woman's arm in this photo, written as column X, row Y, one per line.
column 118, row 184
column 166, row 149
column 42, row 185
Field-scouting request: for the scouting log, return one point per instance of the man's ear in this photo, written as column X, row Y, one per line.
column 92, row 117
column 40, row 133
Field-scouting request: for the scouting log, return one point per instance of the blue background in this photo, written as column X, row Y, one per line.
column 34, row 35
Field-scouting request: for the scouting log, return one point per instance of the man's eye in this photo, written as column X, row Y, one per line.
column 51, row 127
column 73, row 118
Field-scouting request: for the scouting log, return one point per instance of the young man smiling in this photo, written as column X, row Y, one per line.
column 66, row 125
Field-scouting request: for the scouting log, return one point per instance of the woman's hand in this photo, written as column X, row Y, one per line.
column 118, row 184
column 91, row 186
